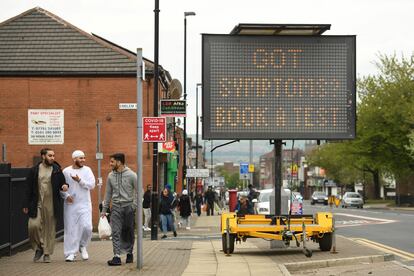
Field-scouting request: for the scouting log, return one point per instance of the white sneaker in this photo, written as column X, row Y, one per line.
column 188, row 228
column 147, row 229
column 70, row 258
column 84, row 253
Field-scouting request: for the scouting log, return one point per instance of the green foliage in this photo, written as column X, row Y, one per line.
column 231, row 179
column 386, row 116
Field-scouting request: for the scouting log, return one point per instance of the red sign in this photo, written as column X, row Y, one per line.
column 168, row 146
column 154, row 129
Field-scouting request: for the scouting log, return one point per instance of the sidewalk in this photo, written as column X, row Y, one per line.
column 198, row 252
column 386, row 206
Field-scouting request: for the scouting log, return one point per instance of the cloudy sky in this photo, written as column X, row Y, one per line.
column 381, row 26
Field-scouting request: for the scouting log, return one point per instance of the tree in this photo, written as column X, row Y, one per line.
column 385, row 127
column 385, row 117
column 231, row 179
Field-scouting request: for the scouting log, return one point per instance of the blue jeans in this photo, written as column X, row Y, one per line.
column 167, row 220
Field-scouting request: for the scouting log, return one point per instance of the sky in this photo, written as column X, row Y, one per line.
column 381, row 27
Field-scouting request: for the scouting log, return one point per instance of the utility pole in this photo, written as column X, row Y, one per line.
column 154, row 196
column 251, row 160
column 140, row 74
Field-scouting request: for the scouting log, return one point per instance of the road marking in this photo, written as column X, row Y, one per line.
column 387, row 249
column 363, row 217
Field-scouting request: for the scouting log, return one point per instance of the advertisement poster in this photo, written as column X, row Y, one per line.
column 46, row 126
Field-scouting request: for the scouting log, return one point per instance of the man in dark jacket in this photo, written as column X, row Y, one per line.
column 146, row 206
column 43, row 204
column 210, row 198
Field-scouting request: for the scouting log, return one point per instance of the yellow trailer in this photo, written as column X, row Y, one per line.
column 299, row 228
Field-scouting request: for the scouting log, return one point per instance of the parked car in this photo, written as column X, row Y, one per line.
column 319, row 197
column 263, row 205
column 352, row 199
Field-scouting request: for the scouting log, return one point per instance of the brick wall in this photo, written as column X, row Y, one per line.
column 84, row 100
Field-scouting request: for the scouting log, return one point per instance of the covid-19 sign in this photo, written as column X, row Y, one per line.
column 278, row 87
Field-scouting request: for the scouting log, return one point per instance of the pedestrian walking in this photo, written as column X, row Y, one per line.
column 43, row 204
column 77, row 207
column 185, row 209
column 121, row 188
column 146, row 206
column 166, row 215
column 210, row 198
column 198, row 202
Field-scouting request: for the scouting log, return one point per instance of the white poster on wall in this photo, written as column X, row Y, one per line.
column 46, row 126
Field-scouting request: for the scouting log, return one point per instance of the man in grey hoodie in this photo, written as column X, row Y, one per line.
column 121, row 188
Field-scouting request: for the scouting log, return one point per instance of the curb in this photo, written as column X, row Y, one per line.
column 409, row 267
column 293, row 267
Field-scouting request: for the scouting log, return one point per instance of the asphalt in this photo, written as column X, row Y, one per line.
column 198, row 252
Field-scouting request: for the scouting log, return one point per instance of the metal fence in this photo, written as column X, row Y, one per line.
column 13, row 232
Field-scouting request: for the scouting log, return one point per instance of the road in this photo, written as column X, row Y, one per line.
column 382, row 228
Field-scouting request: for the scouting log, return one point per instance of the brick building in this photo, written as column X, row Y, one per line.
column 46, row 64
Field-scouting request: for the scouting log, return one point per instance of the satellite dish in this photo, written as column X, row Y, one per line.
column 175, row 90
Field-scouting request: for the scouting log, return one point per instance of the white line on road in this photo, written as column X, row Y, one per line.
column 364, row 217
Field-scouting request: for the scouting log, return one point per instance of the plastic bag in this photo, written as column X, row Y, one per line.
column 217, row 209
column 104, row 229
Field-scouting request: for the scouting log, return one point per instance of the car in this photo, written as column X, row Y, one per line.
column 263, row 205
column 319, row 197
column 352, row 199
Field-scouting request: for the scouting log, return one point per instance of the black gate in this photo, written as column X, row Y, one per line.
column 13, row 232
column 5, row 184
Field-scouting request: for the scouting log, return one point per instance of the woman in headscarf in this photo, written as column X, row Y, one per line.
column 166, row 214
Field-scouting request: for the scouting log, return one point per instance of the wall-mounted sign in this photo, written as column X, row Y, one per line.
column 168, row 146
column 278, row 87
column 46, row 126
column 173, row 108
column 197, row 173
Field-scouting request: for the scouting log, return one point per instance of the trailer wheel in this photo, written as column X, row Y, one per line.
column 325, row 243
column 229, row 250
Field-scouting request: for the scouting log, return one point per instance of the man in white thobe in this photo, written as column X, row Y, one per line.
column 78, row 207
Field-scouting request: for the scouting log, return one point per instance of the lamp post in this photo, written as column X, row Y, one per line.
column 198, row 84
column 185, row 98
column 154, row 195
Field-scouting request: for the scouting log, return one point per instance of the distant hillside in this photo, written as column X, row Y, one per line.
column 239, row 151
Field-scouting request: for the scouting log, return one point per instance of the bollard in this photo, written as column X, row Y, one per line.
column 333, row 251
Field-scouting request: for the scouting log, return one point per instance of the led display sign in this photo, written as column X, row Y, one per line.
column 278, row 87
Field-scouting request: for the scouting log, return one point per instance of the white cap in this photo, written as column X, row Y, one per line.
column 77, row 153
column 185, row 192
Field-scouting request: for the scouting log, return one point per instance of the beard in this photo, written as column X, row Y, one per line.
column 48, row 162
column 78, row 164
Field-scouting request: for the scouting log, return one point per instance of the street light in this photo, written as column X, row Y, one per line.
column 185, row 97
column 198, row 84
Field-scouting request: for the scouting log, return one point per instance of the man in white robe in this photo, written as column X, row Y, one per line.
column 78, row 207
